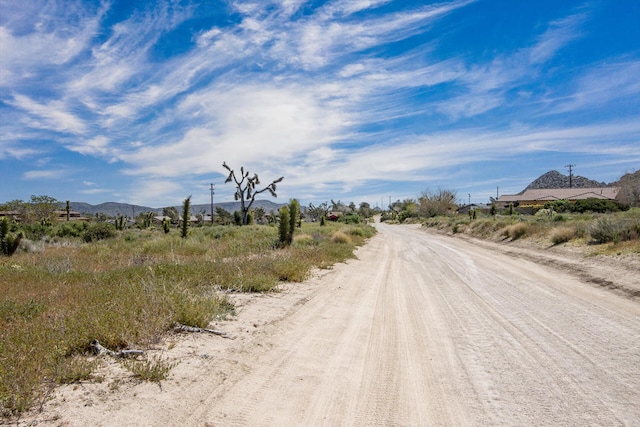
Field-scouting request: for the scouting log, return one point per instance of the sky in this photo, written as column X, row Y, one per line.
column 355, row 100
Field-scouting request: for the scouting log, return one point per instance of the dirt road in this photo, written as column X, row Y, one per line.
column 421, row 330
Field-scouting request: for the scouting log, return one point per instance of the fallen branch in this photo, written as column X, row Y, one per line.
column 101, row 351
column 178, row 327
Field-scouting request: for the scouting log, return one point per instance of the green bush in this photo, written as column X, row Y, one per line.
column 70, row 229
column 585, row 205
column 8, row 241
column 351, row 218
column 99, row 231
column 36, row 230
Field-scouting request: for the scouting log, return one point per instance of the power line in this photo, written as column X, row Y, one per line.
column 570, row 166
column 212, row 188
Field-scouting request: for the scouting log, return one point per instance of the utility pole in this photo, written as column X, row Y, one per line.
column 469, row 199
column 212, row 187
column 570, row 166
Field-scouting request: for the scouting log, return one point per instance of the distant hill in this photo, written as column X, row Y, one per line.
column 113, row 209
column 554, row 179
column 629, row 188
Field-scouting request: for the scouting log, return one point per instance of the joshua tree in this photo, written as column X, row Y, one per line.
column 246, row 189
column 284, row 227
column 186, row 216
column 294, row 217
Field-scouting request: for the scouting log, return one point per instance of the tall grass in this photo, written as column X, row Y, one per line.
column 128, row 291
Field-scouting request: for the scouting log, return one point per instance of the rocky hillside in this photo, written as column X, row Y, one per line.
column 629, row 188
column 554, row 179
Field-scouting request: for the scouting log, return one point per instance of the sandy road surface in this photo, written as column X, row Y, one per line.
column 422, row 330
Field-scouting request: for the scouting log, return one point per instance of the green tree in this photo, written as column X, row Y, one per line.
column 365, row 210
column 260, row 215
column 246, row 191
column 43, row 208
column 223, row 217
column 172, row 213
column 441, row 202
column 315, row 213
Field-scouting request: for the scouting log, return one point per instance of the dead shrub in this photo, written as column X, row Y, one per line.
column 518, row 230
column 562, row 235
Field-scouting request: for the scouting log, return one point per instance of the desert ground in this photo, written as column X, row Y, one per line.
column 421, row 329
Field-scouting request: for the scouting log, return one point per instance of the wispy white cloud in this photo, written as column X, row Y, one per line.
column 44, row 174
column 53, row 115
column 99, row 146
column 26, row 49
column 600, row 86
column 559, row 34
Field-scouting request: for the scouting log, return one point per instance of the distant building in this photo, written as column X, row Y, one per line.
column 334, row 215
column 538, row 197
column 73, row 216
column 12, row 215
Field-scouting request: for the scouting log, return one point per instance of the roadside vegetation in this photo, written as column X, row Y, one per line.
column 70, row 283
column 607, row 226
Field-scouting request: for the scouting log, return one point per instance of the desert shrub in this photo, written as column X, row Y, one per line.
column 197, row 310
column 558, row 206
column 340, row 237
column 75, row 369
column 8, row 241
column 518, row 230
column 98, row 231
column 350, row 218
column 290, row 268
column 607, row 229
column 302, row 240
column 36, row 230
column 596, row 205
column 70, row 229
column 562, row 235
column 154, row 369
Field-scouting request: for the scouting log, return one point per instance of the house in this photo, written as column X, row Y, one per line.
column 73, row 216
column 464, row 209
column 12, row 215
column 538, row 196
column 334, row 215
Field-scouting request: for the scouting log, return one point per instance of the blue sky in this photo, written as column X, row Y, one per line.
column 359, row 100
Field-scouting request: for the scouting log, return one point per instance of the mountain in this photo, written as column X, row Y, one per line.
column 554, row 179
column 113, row 209
column 629, row 185
column 267, row 205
